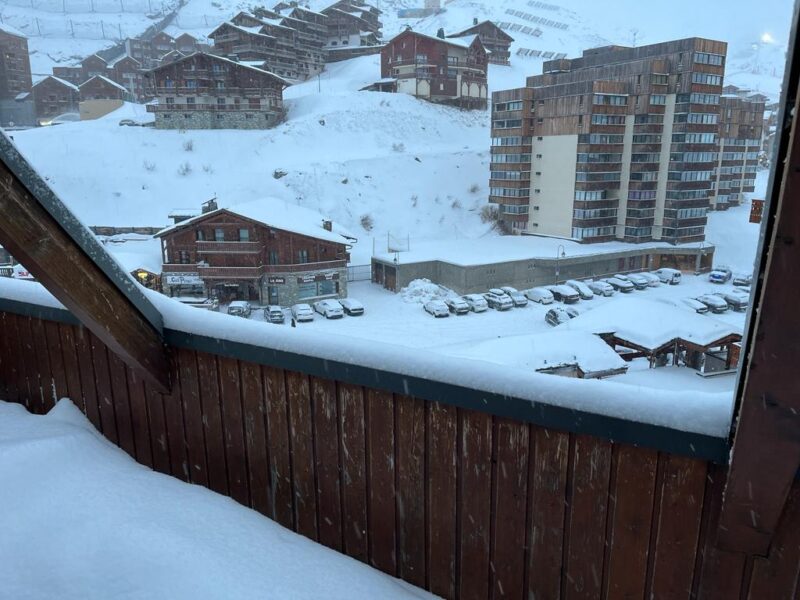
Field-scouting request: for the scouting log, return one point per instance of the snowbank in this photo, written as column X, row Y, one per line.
column 423, row 290
column 81, row 520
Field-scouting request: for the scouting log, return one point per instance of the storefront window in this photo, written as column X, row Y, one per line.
column 307, row 290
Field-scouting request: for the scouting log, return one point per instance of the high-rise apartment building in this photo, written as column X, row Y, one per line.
column 620, row 143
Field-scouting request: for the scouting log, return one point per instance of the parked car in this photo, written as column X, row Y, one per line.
column 735, row 301
column 302, row 312
column 274, row 314
column 499, row 301
column 330, row 308
column 560, row 314
column 619, row 285
column 457, row 305
column 652, row 279
column 539, row 294
column 667, row 275
column 203, row 303
column 240, row 308
column 352, row 307
column 564, row 293
column 437, row 308
column 742, row 279
column 516, row 296
column 477, row 303
column 638, row 281
column 601, row 288
column 695, row 305
column 584, row 291
column 717, row 276
column 714, row 303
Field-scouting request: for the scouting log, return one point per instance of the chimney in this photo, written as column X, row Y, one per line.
column 440, row 33
column 327, row 225
column 209, row 205
column 474, row 20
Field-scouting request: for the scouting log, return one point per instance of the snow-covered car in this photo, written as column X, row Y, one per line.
column 540, row 294
column 457, row 305
column 274, row 314
column 302, row 312
column 667, row 275
column 620, row 285
column 202, row 303
column 330, row 308
column 477, row 303
column 240, row 308
column 717, row 276
column 736, row 301
column 560, row 314
column 652, row 279
column 70, row 117
column 437, row 308
column 564, row 293
column 695, row 305
column 128, row 123
column 742, row 279
column 584, row 291
column 601, row 288
column 516, row 296
column 714, row 303
column 638, row 281
column 499, row 301
column 352, row 307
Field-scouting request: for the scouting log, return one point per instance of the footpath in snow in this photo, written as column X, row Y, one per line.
column 81, row 520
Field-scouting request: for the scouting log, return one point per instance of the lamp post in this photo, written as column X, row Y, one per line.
column 698, row 260
column 559, row 255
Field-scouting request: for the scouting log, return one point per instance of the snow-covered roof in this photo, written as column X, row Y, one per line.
column 133, row 254
column 63, row 82
column 107, row 80
column 542, row 351
column 464, row 31
column 22, row 95
column 122, row 57
column 229, row 61
column 5, row 27
column 651, row 324
column 280, row 215
column 252, row 30
column 459, row 42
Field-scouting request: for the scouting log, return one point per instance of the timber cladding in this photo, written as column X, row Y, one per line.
column 458, row 501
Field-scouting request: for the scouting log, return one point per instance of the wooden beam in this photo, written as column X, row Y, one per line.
column 67, row 259
column 766, row 448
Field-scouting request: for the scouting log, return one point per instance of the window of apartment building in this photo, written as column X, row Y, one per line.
column 190, row 100
column 610, row 99
column 688, row 175
column 696, row 98
column 585, row 196
column 645, row 157
column 600, row 138
column 593, row 157
column 187, row 116
column 302, row 256
column 507, row 123
column 705, row 58
column 658, row 78
column 706, row 78
column 219, row 235
column 170, row 100
column 608, row 119
column 509, row 192
column 658, row 99
column 191, row 84
column 641, row 194
column 691, row 213
column 581, row 233
column 199, row 235
column 514, row 209
column 595, row 176
column 183, row 257
column 638, row 232
column 510, row 175
column 645, row 138
column 703, row 118
column 244, row 235
column 273, row 257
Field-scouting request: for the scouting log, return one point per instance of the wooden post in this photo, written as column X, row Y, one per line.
column 66, row 258
column 766, row 447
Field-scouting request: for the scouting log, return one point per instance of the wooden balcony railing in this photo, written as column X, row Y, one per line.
column 213, row 247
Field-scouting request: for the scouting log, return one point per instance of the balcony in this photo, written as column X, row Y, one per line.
column 207, row 247
column 211, row 272
column 310, row 266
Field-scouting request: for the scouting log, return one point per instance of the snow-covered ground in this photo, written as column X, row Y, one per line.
column 81, row 520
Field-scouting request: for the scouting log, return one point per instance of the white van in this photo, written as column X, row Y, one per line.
column 670, row 276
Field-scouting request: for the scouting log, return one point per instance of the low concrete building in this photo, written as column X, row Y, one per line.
column 528, row 261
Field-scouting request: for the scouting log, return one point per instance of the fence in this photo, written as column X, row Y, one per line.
column 359, row 273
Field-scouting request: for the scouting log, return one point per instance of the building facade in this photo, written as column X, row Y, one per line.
column 741, row 129
column 624, row 143
column 205, row 91
column 16, row 103
column 229, row 254
column 448, row 71
column 496, row 41
column 53, row 96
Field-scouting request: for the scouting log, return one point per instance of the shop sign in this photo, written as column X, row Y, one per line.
column 182, row 279
column 276, row 280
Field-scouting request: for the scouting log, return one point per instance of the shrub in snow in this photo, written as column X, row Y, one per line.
column 367, row 222
column 188, row 145
column 345, row 180
column 399, row 147
column 184, row 169
column 414, row 200
column 423, row 290
column 456, row 204
column 278, row 173
column 208, row 169
column 489, row 213
column 149, row 166
column 473, row 189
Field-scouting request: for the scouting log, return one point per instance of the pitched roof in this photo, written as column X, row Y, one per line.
column 472, row 29
column 107, row 80
column 226, row 60
column 12, row 31
column 122, row 57
column 279, row 214
column 71, row 86
column 460, row 42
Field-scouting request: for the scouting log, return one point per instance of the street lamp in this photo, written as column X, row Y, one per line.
column 559, row 255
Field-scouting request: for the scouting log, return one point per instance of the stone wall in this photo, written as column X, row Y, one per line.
column 216, row 120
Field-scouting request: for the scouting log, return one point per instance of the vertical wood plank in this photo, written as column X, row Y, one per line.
column 18, row 361
column 381, row 478
column 89, row 396
column 255, row 437
column 174, row 432
column 8, row 373
column 586, row 518
column 326, row 462
column 233, row 424
column 71, row 369
column 139, row 418
column 507, row 562
column 156, row 418
column 680, row 505
column 629, row 520
column 58, row 373
column 410, row 473
column 102, row 381
column 192, row 416
column 442, row 429
column 302, row 452
column 212, row 423
column 475, row 498
column 547, row 509
column 354, row 470
column 41, row 365
column 280, row 465
column 33, row 397
column 122, row 408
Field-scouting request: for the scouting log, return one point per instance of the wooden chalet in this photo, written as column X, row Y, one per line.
column 266, row 251
column 449, row 71
column 446, row 483
column 53, row 96
column 496, row 41
column 100, row 87
column 206, row 91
